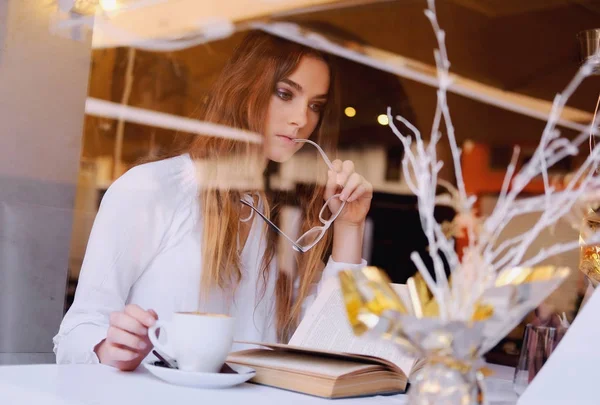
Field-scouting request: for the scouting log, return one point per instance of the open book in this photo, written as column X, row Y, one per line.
column 325, row 358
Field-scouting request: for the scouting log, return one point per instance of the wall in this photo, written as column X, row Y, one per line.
column 43, row 84
column 565, row 298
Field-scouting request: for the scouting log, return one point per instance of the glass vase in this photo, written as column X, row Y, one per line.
column 446, row 383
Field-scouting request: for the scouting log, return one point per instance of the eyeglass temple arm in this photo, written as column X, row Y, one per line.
column 272, row 225
column 321, row 151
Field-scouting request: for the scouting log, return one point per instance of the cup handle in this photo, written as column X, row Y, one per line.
column 152, row 336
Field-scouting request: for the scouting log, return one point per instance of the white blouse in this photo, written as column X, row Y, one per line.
column 144, row 249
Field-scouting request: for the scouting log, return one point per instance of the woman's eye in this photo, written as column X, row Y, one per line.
column 316, row 107
column 284, row 95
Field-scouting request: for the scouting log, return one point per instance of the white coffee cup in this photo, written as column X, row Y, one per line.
column 198, row 341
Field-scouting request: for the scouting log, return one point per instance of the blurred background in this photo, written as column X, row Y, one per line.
column 57, row 162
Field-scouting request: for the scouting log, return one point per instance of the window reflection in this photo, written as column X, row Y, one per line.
column 178, row 83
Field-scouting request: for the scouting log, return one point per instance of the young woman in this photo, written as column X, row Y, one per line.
column 173, row 235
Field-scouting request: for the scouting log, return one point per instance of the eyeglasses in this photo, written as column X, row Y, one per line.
column 311, row 237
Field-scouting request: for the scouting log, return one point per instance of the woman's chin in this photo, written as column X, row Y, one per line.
column 280, row 156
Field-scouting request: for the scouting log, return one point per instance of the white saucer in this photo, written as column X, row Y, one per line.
column 202, row 380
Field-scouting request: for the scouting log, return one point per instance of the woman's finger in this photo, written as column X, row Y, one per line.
column 142, row 316
column 330, row 186
column 357, row 193
column 353, row 182
column 365, row 189
column 117, row 353
column 126, row 322
column 337, row 165
column 125, row 339
column 154, row 314
column 345, row 173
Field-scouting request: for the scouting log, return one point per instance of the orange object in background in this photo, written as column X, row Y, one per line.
column 479, row 176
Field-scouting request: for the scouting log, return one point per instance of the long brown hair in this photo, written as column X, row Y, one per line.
column 240, row 98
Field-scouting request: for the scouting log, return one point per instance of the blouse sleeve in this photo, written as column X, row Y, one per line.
column 126, row 235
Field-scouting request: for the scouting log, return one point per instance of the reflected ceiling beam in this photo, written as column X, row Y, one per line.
column 170, row 25
column 499, row 8
column 135, row 115
column 502, row 8
column 571, row 118
column 146, row 20
column 180, row 24
column 333, row 6
column 591, row 5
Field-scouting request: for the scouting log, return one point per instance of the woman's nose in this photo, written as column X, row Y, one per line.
column 298, row 115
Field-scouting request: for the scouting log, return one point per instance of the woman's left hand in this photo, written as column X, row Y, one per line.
column 354, row 189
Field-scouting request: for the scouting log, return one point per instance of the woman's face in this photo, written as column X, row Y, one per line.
column 295, row 108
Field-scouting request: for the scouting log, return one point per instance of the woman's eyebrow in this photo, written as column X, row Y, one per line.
column 293, row 84
column 299, row 88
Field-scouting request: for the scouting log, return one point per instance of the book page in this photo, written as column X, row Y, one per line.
column 298, row 363
column 326, row 327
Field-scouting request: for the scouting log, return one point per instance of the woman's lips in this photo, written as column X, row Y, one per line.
column 286, row 139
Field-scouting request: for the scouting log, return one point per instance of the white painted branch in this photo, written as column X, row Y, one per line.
column 526, row 174
column 557, row 249
column 561, row 206
column 505, row 245
column 510, row 171
column 425, row 168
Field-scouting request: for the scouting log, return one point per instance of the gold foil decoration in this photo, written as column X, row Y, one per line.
column 542, row 273
column 522, row 275
column 419, row 294
column 353, row 301
column 589, row 255
column 421, row 287
column 425, row 306
column 482, row 312
column 461, row 366
column 515, row 275
column 368, row 301
column 383, row 296
column 373, row 307
column 431, row 309
column 589, row 262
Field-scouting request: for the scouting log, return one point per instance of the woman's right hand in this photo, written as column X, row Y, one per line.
column 127, row 343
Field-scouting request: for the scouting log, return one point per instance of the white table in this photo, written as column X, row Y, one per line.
column 102, row 385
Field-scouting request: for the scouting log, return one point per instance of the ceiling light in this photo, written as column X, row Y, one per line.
column 468, row 146
column 109, row 5
column 383, row 119
column 350, row 112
